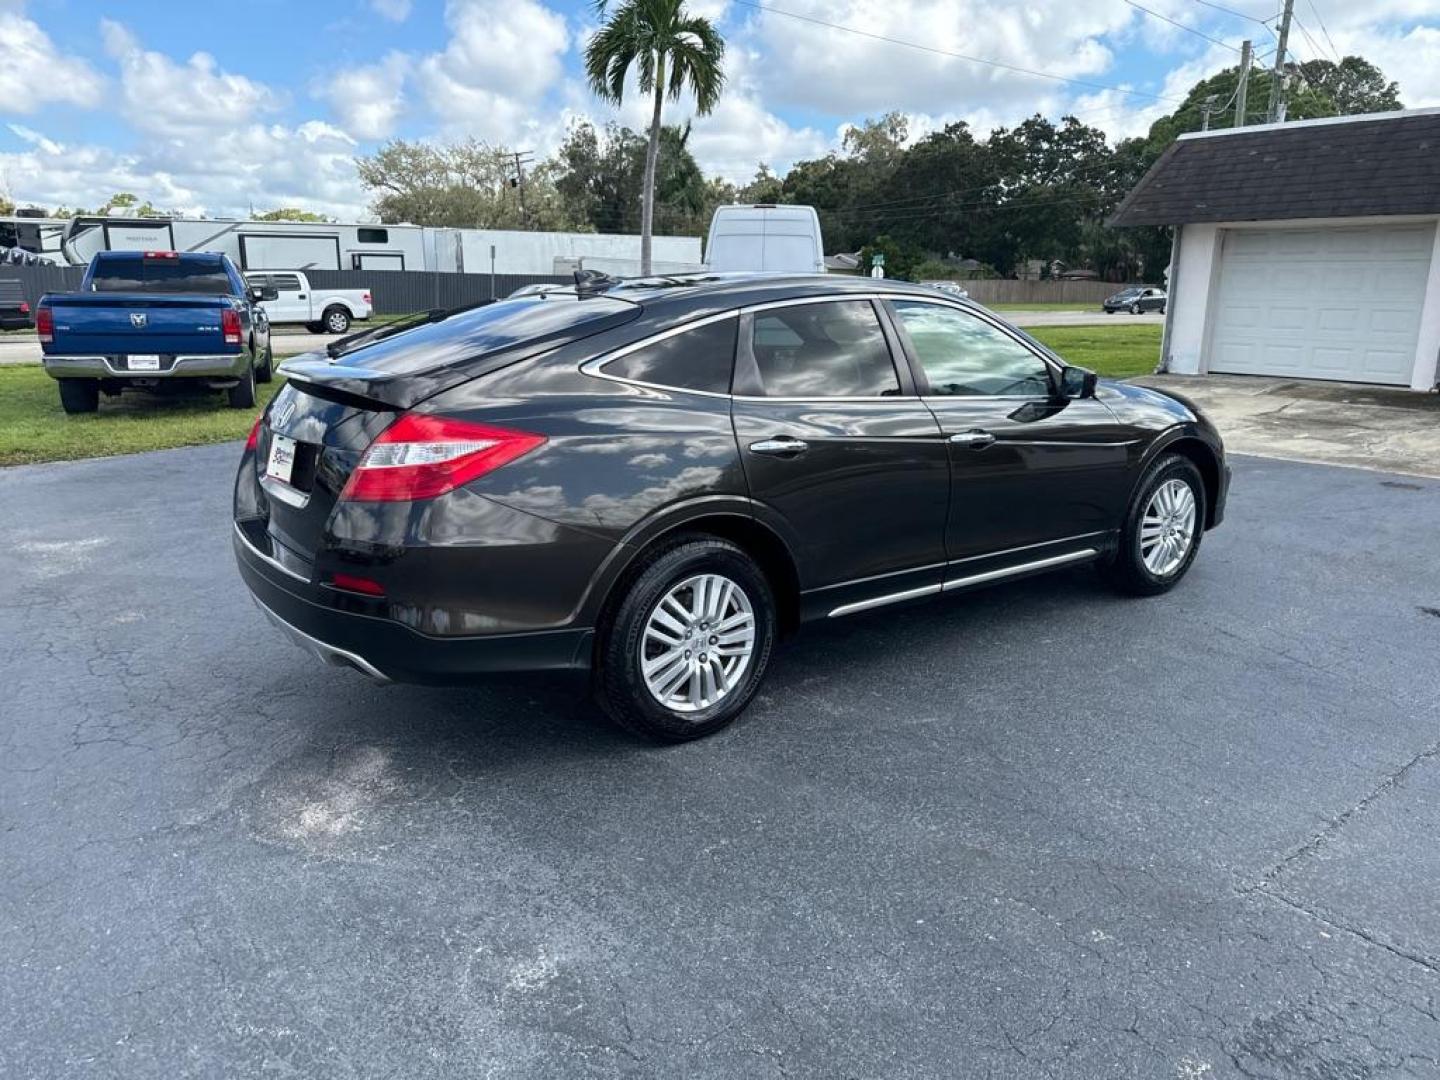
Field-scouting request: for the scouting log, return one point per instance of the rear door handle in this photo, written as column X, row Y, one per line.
column 973, row 440
column 783, row 446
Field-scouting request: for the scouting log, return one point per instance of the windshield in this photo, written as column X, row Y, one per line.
column 204, row 277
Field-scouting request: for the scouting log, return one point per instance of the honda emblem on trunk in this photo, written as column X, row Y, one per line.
column 137, row 319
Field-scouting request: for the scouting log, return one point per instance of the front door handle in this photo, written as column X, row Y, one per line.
column 974, row 439
column 783, row 446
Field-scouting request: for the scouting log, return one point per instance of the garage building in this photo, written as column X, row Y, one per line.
column 1308, row 250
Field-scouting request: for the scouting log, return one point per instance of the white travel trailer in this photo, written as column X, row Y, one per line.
column 255, row 245
column 26, row 235
column 306, row 246
column 766, row 237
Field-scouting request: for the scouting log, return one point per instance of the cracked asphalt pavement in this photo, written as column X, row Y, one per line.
column 1039, row 831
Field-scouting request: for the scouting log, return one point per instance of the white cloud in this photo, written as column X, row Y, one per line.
column 34, row 138
column 169, row 98
column 502, row 59
column 35, row 72
column 369, row 100
column 222, row 174
column 394, row 10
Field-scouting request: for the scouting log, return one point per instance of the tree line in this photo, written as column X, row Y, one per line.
column 951, row 203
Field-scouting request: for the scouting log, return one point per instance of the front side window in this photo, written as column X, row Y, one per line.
column 964, row 355
column 823, row 350
column 698, row 359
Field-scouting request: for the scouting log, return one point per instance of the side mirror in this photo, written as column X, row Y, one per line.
column 1077, row 382
column 256, row 294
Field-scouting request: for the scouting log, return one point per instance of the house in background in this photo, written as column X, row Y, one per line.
column 1308, row 250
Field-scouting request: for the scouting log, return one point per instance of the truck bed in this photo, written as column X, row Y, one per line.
column 118, row 324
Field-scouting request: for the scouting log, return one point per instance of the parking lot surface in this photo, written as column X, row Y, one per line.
column 1038, row 831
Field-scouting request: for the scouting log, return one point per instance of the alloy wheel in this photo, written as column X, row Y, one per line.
column 1167, row 529
column 697, row 643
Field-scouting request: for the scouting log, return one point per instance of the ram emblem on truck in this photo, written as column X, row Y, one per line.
column 137, row 319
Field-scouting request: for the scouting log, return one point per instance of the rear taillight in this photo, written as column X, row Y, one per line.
column 45, row 324
column 254, row 438
column 230, row 326
column 24, row 307
column 421, row 456
column 366, row 298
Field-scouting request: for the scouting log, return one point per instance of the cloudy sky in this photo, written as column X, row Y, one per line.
column 215, row 109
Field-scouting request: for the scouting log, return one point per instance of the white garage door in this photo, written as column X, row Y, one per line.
column 1339, row 303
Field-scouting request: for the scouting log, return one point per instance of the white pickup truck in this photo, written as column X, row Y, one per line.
column 290, row 299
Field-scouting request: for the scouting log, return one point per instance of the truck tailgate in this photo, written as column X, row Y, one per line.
column 119, row 323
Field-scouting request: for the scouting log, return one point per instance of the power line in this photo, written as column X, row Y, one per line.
column 1324, row 31
column 1230, row 11
column 955, row 55
column 1182, row 26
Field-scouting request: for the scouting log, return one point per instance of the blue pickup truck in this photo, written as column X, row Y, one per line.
column 161, row 321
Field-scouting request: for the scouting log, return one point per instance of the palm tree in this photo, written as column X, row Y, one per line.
column 670, row 49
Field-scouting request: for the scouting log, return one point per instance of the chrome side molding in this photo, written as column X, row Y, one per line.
column 963, row 582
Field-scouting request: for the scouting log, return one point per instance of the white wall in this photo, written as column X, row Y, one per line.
column 1192, row 293
column 1192, row 278
column 535, row 252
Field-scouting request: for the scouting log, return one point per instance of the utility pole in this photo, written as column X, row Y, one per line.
column 1206, row 108
column 522, row 158
column 1244, row 86
column 1277, row 78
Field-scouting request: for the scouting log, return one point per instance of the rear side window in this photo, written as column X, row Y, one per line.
column 285, row 282
column 698, row 359
column 206, row 278
column 825, row 350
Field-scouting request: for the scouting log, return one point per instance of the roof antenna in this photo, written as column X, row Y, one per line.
column 593, row 282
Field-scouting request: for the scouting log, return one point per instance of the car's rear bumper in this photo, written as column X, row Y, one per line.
column 387, row 650
column 205, row 366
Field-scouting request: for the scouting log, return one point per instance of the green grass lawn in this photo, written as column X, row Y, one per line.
column 1117, row 352
column 34, row 428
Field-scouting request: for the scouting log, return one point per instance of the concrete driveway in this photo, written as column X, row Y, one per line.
column 1040, row 831
column 1368, row 427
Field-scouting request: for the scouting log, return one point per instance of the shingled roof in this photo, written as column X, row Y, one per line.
column 1356, row 166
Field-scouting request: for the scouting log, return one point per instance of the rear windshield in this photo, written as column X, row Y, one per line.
column 477, row 331
column 205, row 278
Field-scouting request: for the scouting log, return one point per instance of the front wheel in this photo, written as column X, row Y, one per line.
column 1163, row 526
column 687, row 646
column 79, row 395
column 1134, row 309
column 337, row 320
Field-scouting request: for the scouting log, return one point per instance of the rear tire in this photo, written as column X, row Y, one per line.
column 336, row 320
column 79, row 395
column 242, row 394
column 723, row 603
column 1140, row 565
column 266, row 371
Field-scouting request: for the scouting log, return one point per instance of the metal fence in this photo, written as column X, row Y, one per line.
column 36, row 281
column 391, row 291
column 396, row 291
column 1004, row 291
